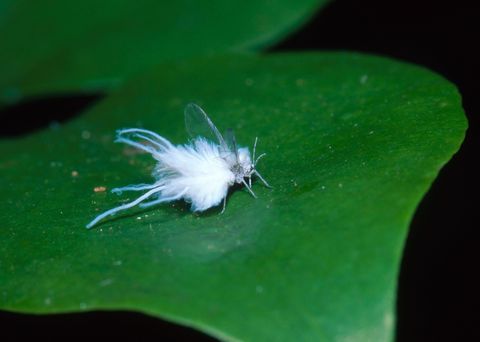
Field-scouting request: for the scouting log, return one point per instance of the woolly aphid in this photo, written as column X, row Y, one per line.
column 199, row 172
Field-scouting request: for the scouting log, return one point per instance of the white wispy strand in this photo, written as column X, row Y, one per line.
column 195, row 172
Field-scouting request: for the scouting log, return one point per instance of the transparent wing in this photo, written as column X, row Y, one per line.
column 198, row 123
column 231, row 142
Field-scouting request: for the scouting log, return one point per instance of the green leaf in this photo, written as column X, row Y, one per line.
column 353, row 144
column 57, row 46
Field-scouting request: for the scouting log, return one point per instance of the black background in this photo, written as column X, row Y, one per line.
column 438, row 291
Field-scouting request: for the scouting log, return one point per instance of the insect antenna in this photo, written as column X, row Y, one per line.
column 255, row 161
column 259, row 157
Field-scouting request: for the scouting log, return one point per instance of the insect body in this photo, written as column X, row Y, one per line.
column 199, row 172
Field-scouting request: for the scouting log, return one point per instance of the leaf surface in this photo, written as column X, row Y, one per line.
column 353, row 144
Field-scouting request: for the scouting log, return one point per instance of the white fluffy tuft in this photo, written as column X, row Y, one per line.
column 197, row 169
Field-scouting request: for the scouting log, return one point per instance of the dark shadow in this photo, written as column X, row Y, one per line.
column 37, row 113
column 94, row 326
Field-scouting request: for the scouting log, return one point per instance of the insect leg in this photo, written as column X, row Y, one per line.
column 224, row 204
column 248, row 188
column 261, row 178
column 123, row 206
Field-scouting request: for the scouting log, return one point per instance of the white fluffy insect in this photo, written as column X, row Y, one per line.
column 199, row 172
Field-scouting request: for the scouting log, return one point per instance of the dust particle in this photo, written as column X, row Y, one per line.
column 300, row 82
column 106, row 282
column 86, row 135
column 248, row 82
